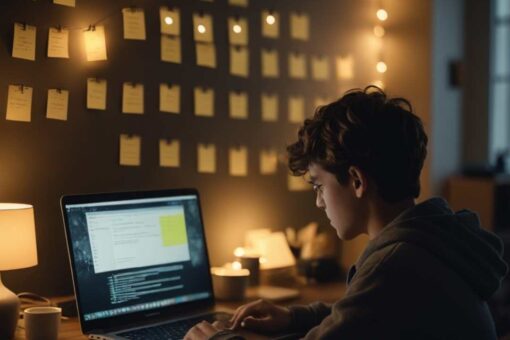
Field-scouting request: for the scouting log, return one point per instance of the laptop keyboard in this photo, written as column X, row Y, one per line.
column 172, row 330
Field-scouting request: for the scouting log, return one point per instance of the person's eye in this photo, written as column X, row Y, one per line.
column 317, row 188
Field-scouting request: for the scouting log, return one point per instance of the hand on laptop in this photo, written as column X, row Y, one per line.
column 262, row 316
column 204, row 330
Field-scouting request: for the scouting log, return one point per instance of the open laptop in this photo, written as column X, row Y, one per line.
column 139, row 263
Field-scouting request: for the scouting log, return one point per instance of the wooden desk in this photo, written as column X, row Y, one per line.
column 326, row 292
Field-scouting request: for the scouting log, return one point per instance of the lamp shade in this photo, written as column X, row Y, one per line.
column 18, row 247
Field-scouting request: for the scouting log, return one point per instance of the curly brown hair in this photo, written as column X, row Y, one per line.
column 365, row 128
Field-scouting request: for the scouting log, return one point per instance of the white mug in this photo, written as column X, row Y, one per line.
column 42, row 323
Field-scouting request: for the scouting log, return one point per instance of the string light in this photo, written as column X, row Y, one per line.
column 379, row 31
column 237, row 28
column 201, row 29
column 169, row 20
column 270, row 19
column 381, row 67
column 382, row 14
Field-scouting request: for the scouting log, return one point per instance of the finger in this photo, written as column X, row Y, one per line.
column 194, row 333
column 220, row 324
column 250, row 309
column 207, row 328
column 256, row 323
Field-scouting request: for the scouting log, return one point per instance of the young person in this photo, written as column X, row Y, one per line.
column 426, row 272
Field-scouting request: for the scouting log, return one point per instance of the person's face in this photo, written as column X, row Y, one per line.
column 344, row 204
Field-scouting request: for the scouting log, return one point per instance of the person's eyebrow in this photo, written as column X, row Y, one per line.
column 312, row 179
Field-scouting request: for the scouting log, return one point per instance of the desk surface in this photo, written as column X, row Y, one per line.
column 326, row 292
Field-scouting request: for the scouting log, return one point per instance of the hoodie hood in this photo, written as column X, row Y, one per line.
column 456, row 239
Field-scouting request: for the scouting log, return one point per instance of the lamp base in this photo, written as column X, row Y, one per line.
column 9, row 312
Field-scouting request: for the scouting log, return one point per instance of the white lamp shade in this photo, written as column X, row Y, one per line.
column 18, row 247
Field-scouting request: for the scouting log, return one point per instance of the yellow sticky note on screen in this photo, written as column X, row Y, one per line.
column 296, row 109
column 57, row 104
column 238, row 31
column 58, row 43
column 205, row 55
column 134, row 23
column 320, row 68
column 173, row 229
column 96, row 94
column 203, row 27
column 297, row 65
column 345, row 67
column 130, row 150
column 238, row 161
column 270, row 24
column 170, row 20
column 23, row 46
column 206, row 158
column 270, row 66
column 95, row 43
column 171, row 49
column 269, row 104
column 169, row 153
column 204, row 102
column 69, row 3
column 238, row 103
column 19, row 103
column 268, row 162
column 299, row 26
column 169, row 98
column 239, row 61
column 132, row 98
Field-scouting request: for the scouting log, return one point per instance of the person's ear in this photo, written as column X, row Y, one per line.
column 358, row 181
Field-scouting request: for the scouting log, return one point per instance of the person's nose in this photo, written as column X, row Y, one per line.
column 319, row 202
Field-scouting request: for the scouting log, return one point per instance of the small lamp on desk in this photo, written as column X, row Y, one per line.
column 17, row 250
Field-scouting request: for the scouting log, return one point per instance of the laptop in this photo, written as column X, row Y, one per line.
column 139, row 263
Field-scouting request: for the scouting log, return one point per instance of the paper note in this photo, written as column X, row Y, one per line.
column 270, row 24
column 206, row 158
column 238, row 103
column 202, row 27
column 269, row 107
column 345, row 67
column 270, row 66
column 296, row 109
column 130, row 149
column 132, row 98
column 95, row 43
column 320, row 68
column 238, row 31
column 58, row 43
column 299, row 26
column 169, row 154
column 206, row 55
column 239, row 61
column 96, row 94
column 204, row 102
column 241, row 3
column 238, row 161
column 268, row 162
column 171, row 49
column 169, row 98
column 56, row 106
column 23, row 46
column 134, row 23
column 170, row 21
column 70, row 3
column 297, row 65
column 297, row 183
column 19, row 103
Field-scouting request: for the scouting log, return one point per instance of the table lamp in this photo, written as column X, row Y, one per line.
column 17, row 250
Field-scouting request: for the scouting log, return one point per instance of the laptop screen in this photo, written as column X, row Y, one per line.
column 138, row 254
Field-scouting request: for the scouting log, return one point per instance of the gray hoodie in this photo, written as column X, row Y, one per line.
column 427, row 275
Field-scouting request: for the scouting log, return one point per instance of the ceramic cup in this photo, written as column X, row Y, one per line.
column 42, row 323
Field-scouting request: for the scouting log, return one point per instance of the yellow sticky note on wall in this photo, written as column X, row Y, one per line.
column 238, row 161
column 19, row 103
column 171, row 49
column 320, row 68
column 95, row 43
column 270, row 66
column 170, row 20
column 169, row 153
column 297, row 183
column 134, row 23
column 269, row 107
column 238, row 103
column 268, row 162
column 205, row 55
column 299, row 26
column 132, row 98
column 206, row 158
column 238, row 31
column 58, row 43
column 69, row 3
column 130, row 150
column 239, row 61
column 57, row 104
column 96, row 94
column 270, row 24
column 241, row 3
column 297, row 65
column 345, row 67
column 23, row 46
column 204, row 102
column 296, row 109
column 203, row 27
column 169, row 98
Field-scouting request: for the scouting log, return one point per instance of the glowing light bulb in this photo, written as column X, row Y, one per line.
column 270, row 19
column 382, row 14
column 239, row 251
column 381, row 67
column 236, row 265
column 201, row 29
column 379, row 31
column 169, row 20
column 237, row 28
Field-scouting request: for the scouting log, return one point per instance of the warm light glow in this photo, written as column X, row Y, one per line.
column 169, row 20
column 239, row 251
column 382, row 14
column 236, row 265
column 237, row 28
column 381, row 67
column 201, row 29
column 379, row 84
column 270, row 19
column 379, row 31
column 262, row 260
